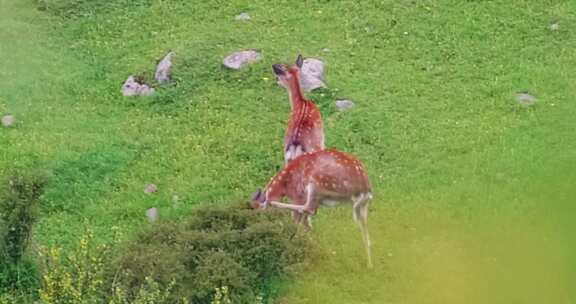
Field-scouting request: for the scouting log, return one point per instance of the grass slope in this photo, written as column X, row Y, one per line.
column 472, row 191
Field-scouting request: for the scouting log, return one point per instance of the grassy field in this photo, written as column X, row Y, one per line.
column 474, row 193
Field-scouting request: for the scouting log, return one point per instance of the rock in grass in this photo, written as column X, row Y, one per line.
column 163, row 70
column 525, row 99
column 145, row 90
column 312, row 74
column 8, row 120
column 237, row 60
column 344, row 104
column 152, row 214
column 130, row 87
column 133, row 88
column 243, row 17
column 150, row 188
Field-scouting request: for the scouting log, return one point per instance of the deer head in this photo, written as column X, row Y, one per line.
column 288, row 77
column 258, row 200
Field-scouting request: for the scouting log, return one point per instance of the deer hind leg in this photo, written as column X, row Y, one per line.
column 360, row 214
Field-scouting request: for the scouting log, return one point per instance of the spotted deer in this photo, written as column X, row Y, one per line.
column 325, row 177
column 305, row 132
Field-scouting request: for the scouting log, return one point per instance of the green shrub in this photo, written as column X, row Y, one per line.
column 79, row 277
column 219, row 268
column 150, row 293
column 7, row 298
column 17, row 215
column 221, row 296
column 18, row 203
column 237, row 248
column 85, row 276
column 218, row 256
column 19, row 279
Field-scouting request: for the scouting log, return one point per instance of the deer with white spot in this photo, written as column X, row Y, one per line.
column 326, row 177
column 305, row 132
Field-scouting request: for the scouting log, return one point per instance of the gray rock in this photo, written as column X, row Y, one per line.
column 150, row 188
column 164, row 68
column 145, row 90
column 237, row 60
column 344, row 104
column 243, row 17
column 152, row 214
column 312, row 74
column 8, row 120
column 326, row 50
column 132, row 88
column 525, row 99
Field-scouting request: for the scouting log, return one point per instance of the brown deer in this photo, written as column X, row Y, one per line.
column 325, row 177
column 305, row 132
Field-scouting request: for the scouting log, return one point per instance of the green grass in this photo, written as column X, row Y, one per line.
column 473, row 193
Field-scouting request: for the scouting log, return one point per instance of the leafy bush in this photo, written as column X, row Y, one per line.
column 77, row 277
column 149, row 293
column 17, row 214
column 237, row 248
column 85, row 276
column 218, row 256
column 221, row 296
column 6, row 298
column 18, row 203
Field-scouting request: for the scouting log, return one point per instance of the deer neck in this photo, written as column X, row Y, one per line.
column 276, row 188
column 295, row 92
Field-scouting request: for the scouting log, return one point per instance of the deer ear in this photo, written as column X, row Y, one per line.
column 256, row 195
column 299, row 61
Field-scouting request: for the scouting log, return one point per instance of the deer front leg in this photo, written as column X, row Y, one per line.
column 302, row 218
column 297, row 217
column 297, row 208
column 311, row 201
column 309, row 207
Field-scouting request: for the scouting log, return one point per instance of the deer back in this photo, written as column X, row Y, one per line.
column 332, row 173
column 305, row 128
